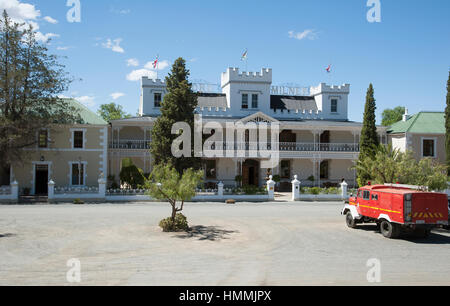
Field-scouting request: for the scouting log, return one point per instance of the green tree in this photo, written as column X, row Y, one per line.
column 30, row 81
column 447, row 124
column 369, row 140
column 178, row 106
column 392, row 166
column 112, row 111
column 391, row 116
column 131, row 175
column 165, row 183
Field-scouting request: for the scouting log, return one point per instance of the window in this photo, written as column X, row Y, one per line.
column 429, row 148
column 158, row 99
column 286, row 169
column 43, row 139
column 211, row 172
column 359, row 194
column 78, row 174
column 324, row 170
column 254, row 101
column 366, row 195
column 374, row 197
column 334, row 105
column 245, row 101
column 78, row 139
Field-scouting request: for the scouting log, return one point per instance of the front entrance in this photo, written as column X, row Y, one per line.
column 250, row 173
column 41, row 182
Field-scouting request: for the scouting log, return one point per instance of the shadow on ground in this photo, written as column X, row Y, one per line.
column 7, row 235
column 211, row 233
column 437, row 236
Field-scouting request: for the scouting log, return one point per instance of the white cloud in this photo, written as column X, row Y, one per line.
column 89, row 101
column 20, row 12
column 114, row 45
column 161, row 65
column 63, row 48
column 116, row 95
column 50, row 20
column 136, row 75
column 309, row 34
column 45, row 37
column 132, row 62
column 28, row 14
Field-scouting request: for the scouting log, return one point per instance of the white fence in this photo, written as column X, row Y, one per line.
column 9, row 194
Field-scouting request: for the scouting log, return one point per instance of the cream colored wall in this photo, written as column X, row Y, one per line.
column 416, row 146
column 339, row 169
column 60, row 153
column 398, row 142
column 341, row 137
column 303, row 168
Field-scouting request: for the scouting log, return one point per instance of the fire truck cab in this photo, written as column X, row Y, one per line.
column 397, row 208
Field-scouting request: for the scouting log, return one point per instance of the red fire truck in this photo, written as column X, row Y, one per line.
column 397, row 208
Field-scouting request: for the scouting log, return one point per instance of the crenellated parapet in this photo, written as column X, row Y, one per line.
column 233, row 75
column 323, row 88
column 146, row 82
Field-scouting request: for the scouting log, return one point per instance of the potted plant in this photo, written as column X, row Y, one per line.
column 277, row 180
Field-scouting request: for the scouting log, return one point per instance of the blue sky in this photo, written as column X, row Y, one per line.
column 406, row 56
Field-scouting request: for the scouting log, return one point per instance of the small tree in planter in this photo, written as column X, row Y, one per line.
column 238, row 180
column 165, row 183
column 277, row 180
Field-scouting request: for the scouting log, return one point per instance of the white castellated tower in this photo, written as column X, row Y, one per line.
column 149, row 90
column 332, row 101
column 235, row 84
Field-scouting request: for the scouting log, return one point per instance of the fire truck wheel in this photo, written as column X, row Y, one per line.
column 389, row 230
column 351, row 222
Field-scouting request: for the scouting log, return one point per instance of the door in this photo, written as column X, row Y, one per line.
column 250, row 173
column 41, row 183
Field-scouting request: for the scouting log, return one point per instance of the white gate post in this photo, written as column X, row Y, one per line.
column 51, row 190
column 220, row 189
column 296, row 189
column 102, row 188
column 15, row 191
column 344, row 189
column 271, row 188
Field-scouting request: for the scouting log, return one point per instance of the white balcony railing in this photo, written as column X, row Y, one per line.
column 128, row 144
column 246, row 146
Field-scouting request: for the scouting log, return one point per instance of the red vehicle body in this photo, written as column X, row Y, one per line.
column 397, row 208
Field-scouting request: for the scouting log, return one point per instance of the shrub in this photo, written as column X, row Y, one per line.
column 250, row 190
column 78, row 202
column 132, row 175
column 332, row 190
column 315, row 190
column 180, row 224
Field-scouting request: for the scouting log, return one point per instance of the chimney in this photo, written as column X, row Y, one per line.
column 406, row 115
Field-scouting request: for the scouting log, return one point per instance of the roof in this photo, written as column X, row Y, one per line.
column 391, row 189
column 212, row 100
column 421, row 123
column 87, row 116
column 293, row 103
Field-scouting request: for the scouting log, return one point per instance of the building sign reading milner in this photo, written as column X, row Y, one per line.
column 289, row 91
column 274, row 90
